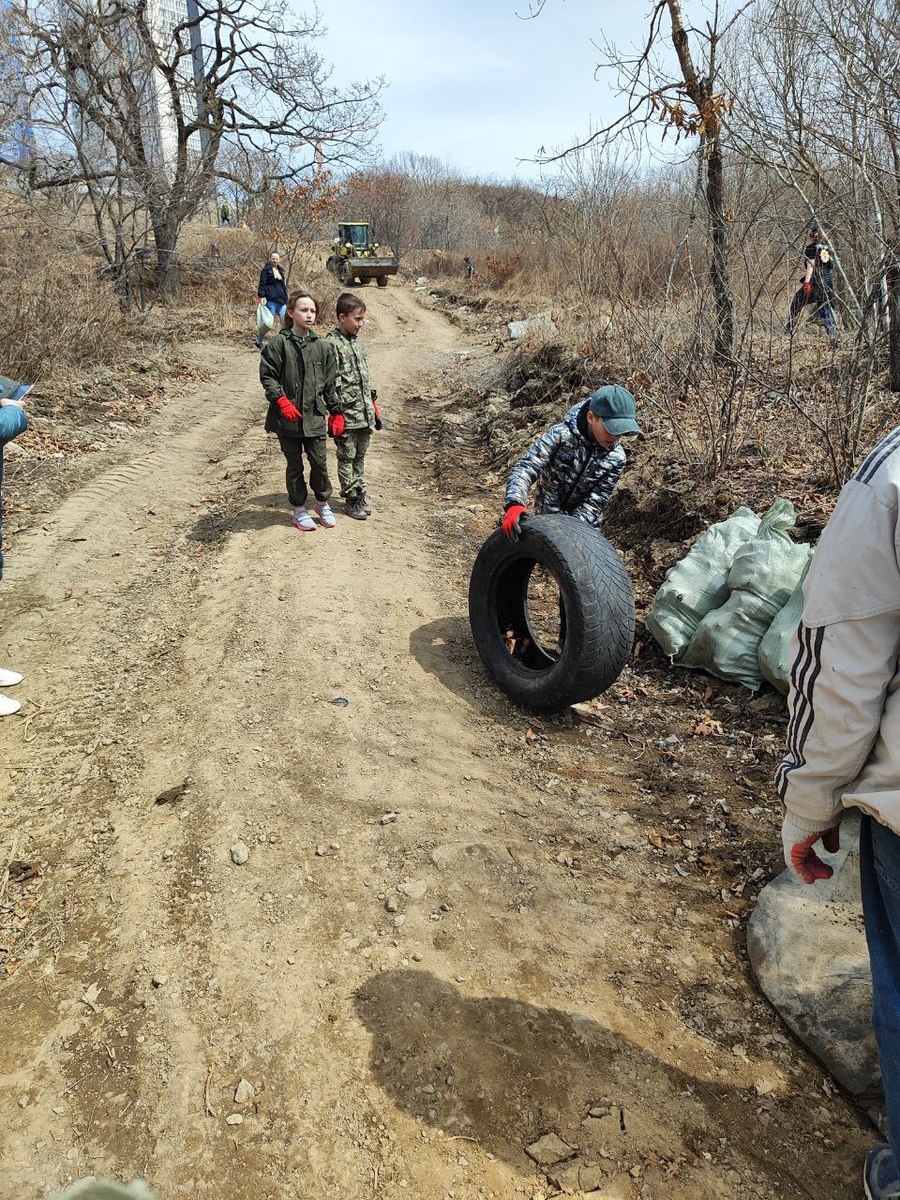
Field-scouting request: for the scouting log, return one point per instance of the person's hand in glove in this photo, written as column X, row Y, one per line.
column 337, row 426
column 807, row 289
column 288, row 409
column 510, row 523
column 798, row 844
column 379, row 424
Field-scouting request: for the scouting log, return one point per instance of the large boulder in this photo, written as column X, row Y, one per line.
column 807, row 947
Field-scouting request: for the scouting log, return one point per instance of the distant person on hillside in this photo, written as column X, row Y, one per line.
column 576, row 463
column 358, row 404
column 816, row 287
column 297, row 370
column 272, row 291
column 470, row 269
column 224, row 214
column 12, row 422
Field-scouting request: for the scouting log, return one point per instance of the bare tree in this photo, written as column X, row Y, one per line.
column 692, row 103
column 818, row 110
column 116, row 94
column 382, row 197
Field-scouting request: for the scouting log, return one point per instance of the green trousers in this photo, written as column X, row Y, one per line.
column 351, row 454
column 315, row 448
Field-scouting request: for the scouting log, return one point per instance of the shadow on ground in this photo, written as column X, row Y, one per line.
column 504, row 1073
column 444, row 648
column 254, row 513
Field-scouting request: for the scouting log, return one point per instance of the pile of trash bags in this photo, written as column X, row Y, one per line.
column 732, row 604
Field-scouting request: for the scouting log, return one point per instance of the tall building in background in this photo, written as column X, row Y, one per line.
column 16, row 134
column 160, row 124
column 126, row 58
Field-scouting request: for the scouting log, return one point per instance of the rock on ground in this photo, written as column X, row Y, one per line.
column 807, row 948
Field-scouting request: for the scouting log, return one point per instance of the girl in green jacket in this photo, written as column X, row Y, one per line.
column 297, row 370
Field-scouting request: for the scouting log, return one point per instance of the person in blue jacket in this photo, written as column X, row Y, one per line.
column 12, row 423
column 272, row 291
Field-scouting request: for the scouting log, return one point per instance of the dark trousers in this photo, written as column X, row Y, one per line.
column 315, row 449
column 822, row 302
column 879, row 868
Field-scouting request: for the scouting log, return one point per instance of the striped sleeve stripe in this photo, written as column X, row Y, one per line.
column 882, row 451
column 804, row 673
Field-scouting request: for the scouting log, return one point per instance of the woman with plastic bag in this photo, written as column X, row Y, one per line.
column 271, row 297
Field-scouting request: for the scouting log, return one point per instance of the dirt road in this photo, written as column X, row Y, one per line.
column 447, row 939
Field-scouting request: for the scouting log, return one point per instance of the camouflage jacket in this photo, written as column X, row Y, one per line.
column 574, row 474
column 303, row 369
column 352, row 384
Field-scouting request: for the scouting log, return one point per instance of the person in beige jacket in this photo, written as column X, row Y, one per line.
column 843, row 748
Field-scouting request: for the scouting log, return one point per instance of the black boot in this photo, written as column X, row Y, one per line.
column 355, row 508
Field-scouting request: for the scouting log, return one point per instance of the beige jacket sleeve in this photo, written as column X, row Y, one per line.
column 843, row 704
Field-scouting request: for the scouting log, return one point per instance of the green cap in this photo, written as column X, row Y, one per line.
column 615, row 405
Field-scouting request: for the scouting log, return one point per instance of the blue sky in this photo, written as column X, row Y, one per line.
column 473, row 83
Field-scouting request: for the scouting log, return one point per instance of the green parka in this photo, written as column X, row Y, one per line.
column 303, row 369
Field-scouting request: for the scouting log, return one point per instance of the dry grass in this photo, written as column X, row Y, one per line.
column 55, row 310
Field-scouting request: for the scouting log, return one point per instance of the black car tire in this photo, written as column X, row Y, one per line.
column 596, row 597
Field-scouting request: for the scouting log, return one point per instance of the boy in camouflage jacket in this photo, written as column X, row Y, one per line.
column 576, row 463
column 358, row 403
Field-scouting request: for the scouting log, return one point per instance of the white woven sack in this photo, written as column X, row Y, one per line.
column 776, row 650
column 699, row 582
column 763, row 575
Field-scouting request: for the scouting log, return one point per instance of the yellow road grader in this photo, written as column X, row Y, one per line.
column 355, row 258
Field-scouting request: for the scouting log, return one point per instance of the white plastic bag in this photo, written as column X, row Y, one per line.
column 265, row 318
column 699, row 582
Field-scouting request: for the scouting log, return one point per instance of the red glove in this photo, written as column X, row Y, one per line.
column 288, row 409
column 807, row 288
column 260, row 299
column 799, row 854
column 337, row 426
column 510, row 523
column 379, row 424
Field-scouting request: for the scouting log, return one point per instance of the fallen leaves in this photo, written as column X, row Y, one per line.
column 659, row 840
column 706, row 726
column 20, row 871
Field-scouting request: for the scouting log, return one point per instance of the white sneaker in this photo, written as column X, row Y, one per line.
column 323, row 510
column 8, row 706
column 302, row 520
column 9, row 678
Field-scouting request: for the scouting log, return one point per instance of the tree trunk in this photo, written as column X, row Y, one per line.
column 168, row 273
column 700, row 91
column 893, row 303
column 720, row 265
